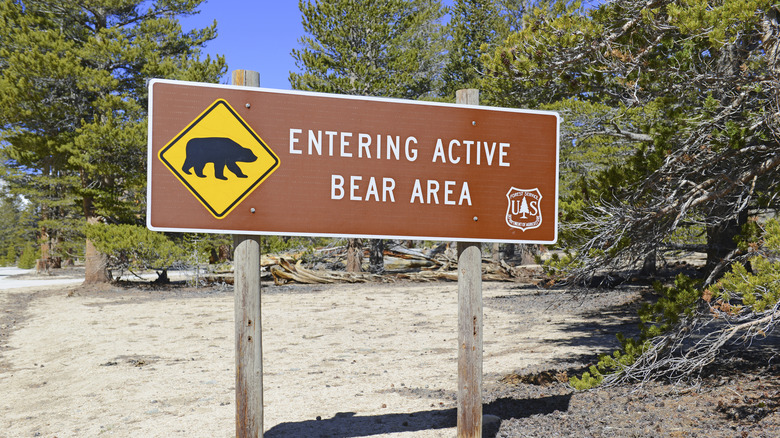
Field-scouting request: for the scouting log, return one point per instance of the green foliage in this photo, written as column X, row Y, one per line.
column 200, row 247
column 589, row 379
column 18, row 226
column 29, row 255
column 594, row 158
column 135, row 248
column 724, row 21
column 557, row 265
column 73, row 102
column 772, row 237
column 656, row 318
column 391, row 48
column 630, row 350
column 752, row 234
column 283, row 244
column 50, row 215
column 740, row 291
column 9, row 258
column 519, row 70
column 475, row 26
column 673, row 303
column 659, row 100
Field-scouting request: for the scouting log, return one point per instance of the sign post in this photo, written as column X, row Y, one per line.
column 469, row 323
column 247, row 300
column 248, row 161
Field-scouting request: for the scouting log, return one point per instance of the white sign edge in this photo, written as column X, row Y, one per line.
column 350, row 236
column 154, row 81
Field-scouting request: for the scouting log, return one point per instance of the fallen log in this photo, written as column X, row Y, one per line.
column 404, row 264
column 400, row 263
column 286, row 272
column 402, row 252
column 428, row 276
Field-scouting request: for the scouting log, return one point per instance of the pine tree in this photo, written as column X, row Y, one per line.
column 73, row 100
column 681, row 92
column 688, row 90
column 18, row 229
column 369, row 48
column 475, row 26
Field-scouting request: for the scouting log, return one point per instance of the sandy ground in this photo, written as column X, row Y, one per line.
column 339, row 360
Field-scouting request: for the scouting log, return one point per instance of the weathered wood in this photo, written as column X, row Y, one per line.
column 286, row 271
column 469, row 340
column 354, row 255
column 95, row 262
column 467, row 96
column 247, row 78
column 376, row 259
column 469, row 323
column 249, row 345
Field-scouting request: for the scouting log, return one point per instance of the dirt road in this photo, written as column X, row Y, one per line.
column 339, row 360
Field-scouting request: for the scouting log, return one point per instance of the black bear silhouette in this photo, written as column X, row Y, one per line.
column 221, row 151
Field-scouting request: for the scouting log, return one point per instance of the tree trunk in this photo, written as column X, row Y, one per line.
column 42, row 264
column 55, row 261
column 354, row 255
column 376, row 261
column 509, row 251
column 720, row 240
column 95, row 262
column 47, row 260
column 649, row 267
column 526, row 254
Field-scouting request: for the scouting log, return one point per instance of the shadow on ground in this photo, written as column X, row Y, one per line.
column 347, row 424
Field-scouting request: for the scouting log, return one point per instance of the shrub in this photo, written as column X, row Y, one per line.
column 9, row 258
column 134, row 248
column 748, row 299
column 29, row 256
column 743, row 292
column 655, row 319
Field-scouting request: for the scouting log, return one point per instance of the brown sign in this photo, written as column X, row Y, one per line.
column 255, row 161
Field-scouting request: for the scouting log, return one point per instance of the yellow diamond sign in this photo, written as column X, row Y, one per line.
column 219, row 158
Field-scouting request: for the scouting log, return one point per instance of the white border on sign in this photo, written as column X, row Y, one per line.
column 150, row 157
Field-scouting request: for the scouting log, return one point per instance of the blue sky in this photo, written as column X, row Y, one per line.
column 254, row 35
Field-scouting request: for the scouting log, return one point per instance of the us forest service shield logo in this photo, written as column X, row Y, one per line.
column 524, row 210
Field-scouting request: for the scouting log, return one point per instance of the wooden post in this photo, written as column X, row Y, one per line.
column 247, row 78
column 469, row 323
column 249, row 345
